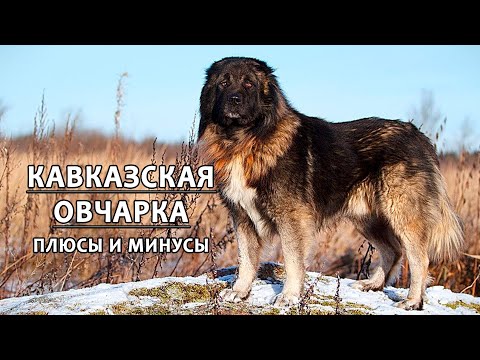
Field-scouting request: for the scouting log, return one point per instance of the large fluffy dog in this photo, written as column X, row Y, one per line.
column 284, row 173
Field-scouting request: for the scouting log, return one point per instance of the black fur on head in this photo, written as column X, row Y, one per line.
column 240, row 94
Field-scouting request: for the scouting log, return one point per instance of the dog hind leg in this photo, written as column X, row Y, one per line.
column 380, row 234
column 411, row 222
column 417, row 256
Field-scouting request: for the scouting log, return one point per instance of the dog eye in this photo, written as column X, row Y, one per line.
column 247, row 84
column 224, row 83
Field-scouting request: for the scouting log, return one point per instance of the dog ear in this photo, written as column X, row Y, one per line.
column 265, row 73
column 216, row 67
column 206, row 103
column 269, row 84
column 262, row 66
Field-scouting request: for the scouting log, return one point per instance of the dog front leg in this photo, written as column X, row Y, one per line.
column 296, row 234
column 249, row 248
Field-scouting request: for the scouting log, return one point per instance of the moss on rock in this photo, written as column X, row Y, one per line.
column 181, row 293
column 127, row 308
column 37, row 312
column 460, row 303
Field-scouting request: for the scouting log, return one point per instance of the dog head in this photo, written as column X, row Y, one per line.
column 239, row 94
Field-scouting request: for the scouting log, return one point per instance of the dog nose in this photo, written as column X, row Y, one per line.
column 236, row 99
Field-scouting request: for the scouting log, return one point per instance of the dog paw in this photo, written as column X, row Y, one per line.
column 366, row 285
column 283, row 300
column 410, row 304
column 233, row 296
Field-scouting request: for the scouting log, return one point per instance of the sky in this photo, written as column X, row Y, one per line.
column 337, row 83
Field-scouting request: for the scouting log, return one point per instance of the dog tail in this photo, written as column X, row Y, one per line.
column 447, row 233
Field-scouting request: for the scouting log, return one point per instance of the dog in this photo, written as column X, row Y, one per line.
column 282, row 173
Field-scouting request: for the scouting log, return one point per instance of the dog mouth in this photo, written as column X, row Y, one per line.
column 232, row 115
column 234, row 119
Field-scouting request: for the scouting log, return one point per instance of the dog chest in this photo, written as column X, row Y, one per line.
column 237, row 191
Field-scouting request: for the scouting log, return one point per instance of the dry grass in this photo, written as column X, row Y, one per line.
column 23, row 216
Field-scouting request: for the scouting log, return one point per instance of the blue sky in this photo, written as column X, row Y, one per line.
column 338, row 83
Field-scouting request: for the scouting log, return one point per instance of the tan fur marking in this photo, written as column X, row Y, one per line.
column 391, row 130
column 265, row 87
column 361, row 202
column 222, row 152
